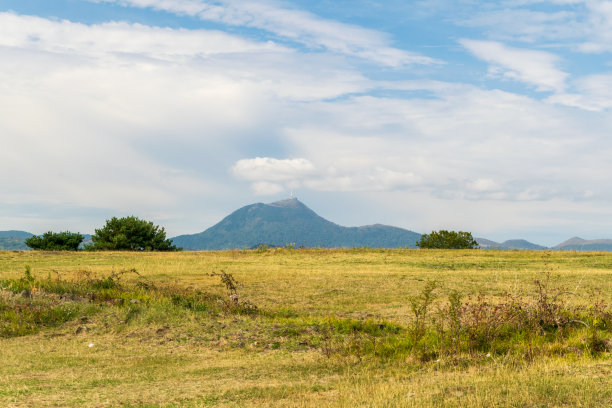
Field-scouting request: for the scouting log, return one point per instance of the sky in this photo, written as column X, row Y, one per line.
column 493, row 117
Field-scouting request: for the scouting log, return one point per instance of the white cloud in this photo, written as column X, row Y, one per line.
column 154, row 128
column 593, row 93
column 116, row 38
column 513, row 22
column 270, row 169
column 483, row 185
column 537, row 68
column 577, row 25
column 466, row 144
column 368, row 179
column 270, row 176
column 295, row 25
column 598, row 27
column 267, row 188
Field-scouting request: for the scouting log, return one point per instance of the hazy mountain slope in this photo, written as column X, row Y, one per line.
column 579, row 244
column 15, row 234
column 14, row 240
column 509, row 244
column 290, row 221
column 487, row 243
column 521, row 244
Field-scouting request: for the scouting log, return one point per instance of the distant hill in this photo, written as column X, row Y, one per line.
column 509, row 244
column 290, row 221
column 579, row 244
column 15, row 234
column 14, row 240
column 487, row 243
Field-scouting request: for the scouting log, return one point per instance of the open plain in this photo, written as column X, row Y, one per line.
column 306, row 327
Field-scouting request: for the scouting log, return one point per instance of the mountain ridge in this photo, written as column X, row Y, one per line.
column 579, row 244
column 291, row 222
column 14, row 240
column 508, row 244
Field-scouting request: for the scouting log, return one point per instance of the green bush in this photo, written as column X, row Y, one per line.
column 447, row 240
column 131, row 234
column 55, row 241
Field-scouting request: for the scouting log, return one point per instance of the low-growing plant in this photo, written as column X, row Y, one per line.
column 419, row 306
column 28, row 304
column 234, row 303
column 478, row 326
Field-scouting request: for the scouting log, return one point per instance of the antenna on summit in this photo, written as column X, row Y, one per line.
column 291, row 195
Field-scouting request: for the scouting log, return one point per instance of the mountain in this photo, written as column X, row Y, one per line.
column 14, row 240
column 15, row 234
column 509, row 244
column 290, row 221
column 579, row 244
column 521, row 244
column 487, row 243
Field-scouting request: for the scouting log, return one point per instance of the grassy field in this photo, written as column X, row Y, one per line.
column 306, row 328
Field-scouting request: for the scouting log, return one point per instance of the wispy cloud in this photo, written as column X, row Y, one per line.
column 525, row 25
column 592, row 92
column 292, row 24
column 536, row 68
column 35, row 33
column 576, row 25
column 598, row 27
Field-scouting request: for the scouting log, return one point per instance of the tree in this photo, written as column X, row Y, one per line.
column 131, row 234
column 447, row 240
column 55, row 241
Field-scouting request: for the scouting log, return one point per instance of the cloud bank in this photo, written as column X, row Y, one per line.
column 184, row 124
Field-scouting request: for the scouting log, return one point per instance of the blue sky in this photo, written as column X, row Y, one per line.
column 491, row 117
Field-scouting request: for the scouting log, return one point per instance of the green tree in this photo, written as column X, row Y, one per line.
column 55, row 241
column 447, row 240
column 131, row 234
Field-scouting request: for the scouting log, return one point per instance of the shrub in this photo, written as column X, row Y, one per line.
column 447, row 240
column 131, row 234
column 55, row 241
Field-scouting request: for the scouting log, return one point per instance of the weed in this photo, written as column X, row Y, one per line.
column 28, row 278
column 595, row 343
column 482, row 326
column 262, row 248
column 549, row 311
column 419, row 307
column 234, row 304
column 454, row 316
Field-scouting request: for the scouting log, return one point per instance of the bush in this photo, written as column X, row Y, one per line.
column 447, row 240
column 131, row 234
column 55, row 241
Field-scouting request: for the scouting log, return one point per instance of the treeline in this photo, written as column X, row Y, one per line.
column 118, row 234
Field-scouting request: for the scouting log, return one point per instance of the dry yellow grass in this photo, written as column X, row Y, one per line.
column 193, row 361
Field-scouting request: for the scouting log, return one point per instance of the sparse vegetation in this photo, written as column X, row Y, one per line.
column 457, row 327
column 29, row 304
